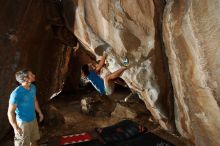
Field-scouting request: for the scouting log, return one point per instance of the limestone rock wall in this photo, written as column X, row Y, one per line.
column 191, row 32
column 128, row 27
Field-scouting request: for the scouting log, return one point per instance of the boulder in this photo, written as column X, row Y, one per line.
column 191, row 34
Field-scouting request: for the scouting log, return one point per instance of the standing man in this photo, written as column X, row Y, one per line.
column 21, row 110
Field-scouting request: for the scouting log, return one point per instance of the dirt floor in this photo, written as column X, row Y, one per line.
column 64, row 115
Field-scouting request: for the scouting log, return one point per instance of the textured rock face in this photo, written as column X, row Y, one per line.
column 191, row 31
column 128, row 27
column 190, row 34
column 161, row 39
column 26, row 41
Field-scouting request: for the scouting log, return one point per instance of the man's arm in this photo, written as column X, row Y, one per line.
column 101, row 63
column 37, row 108
column 12, row 118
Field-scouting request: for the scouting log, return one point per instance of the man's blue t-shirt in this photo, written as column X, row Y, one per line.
column 25, row 100
column 97, row 82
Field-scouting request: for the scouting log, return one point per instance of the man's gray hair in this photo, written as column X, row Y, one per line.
column 21, row 75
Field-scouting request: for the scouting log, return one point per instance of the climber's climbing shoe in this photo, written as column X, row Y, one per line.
column 125, row 62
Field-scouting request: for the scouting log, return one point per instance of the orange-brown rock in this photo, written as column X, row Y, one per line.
column 191, row 34
column 133, row 30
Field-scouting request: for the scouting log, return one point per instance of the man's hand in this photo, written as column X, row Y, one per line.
column 41, row 117
column 37, row 108
column 18, row 131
